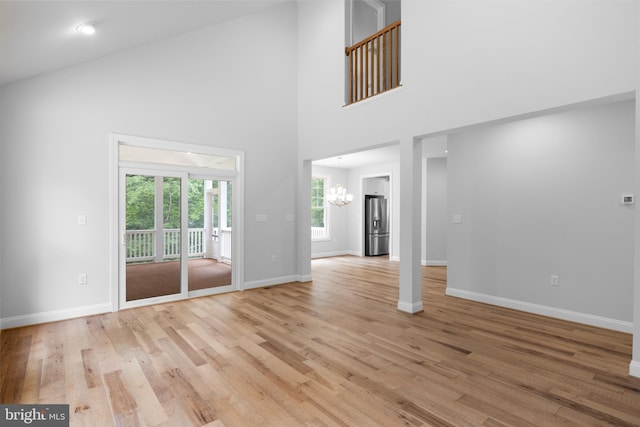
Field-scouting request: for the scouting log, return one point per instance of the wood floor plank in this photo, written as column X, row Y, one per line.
column 332, row 352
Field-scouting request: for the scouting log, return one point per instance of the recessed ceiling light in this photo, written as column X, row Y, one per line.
column 86, row 28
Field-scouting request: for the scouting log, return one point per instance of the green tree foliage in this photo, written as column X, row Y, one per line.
column 140, row 202
column 171, row 202
column 229, row 204
column 196, row 203
column 317, row 202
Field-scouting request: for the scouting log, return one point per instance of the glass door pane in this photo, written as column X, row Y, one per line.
column 153, row 236
column 208, row 269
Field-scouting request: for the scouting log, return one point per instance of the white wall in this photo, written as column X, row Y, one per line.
column 195, row 88
column 634, row 368
column 464, row 62
column 2, row 179
column 337, row 244
column 436, row 212
column 393, row 10
column 541, row 197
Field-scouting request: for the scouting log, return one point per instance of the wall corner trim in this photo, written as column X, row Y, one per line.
column 634, row 368
column 543, row 310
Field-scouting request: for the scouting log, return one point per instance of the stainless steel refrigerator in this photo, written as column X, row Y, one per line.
column 376, row 226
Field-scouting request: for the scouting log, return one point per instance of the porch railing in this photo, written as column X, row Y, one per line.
column 318, row 233
column 374, row 64
column 141, row 244
column 225, row 245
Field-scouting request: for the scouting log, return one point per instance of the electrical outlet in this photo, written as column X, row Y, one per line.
column 554, row 280
column 82, row 279
column 274, row 258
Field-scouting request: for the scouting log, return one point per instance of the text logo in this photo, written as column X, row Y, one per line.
column 34, row 415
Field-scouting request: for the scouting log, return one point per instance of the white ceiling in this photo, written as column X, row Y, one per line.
column 39, row 36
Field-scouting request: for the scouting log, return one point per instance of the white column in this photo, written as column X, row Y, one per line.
column 304, row 222
column 159, row 223
column 410, row 299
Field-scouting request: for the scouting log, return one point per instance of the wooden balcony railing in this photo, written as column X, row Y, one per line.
column 374, row 64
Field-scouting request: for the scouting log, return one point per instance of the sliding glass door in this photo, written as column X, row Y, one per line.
column 210, row 260
column 176, row 236
column 153, row 230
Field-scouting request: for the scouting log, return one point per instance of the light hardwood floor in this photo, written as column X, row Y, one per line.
column 331, row 352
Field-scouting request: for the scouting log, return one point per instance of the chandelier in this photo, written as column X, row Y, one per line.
column 338, row 196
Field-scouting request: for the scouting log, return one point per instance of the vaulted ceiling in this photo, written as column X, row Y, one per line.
column 37, row 37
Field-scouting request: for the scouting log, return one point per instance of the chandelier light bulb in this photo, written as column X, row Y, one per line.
column 338, row 196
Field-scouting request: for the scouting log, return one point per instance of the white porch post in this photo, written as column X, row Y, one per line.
column 410, row 299
column 159, row 223
column 208, row 220
column 222, row 205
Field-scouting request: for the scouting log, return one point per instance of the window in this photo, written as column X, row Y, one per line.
column 319, row 220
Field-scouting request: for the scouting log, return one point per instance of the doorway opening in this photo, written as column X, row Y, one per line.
column 376, row 224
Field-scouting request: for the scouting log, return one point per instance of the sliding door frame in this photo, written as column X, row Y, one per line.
column 236, row 176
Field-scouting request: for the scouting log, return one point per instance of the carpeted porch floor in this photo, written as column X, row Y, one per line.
column 157, row 279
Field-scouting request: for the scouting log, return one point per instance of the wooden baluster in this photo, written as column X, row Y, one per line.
column 384, row 63
column 360, row 73
column 390, row 61
column 366, row 70
column 355, row 74
column 351, row 78
column 378, row 65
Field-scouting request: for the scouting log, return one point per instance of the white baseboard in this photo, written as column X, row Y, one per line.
column 54, row 315
column 434, row 263
column 394, row 258
column 330, row 254
column 272, row 282
column 412, row 308
column 558, row 313
column 634, row 369
column 304, row 278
